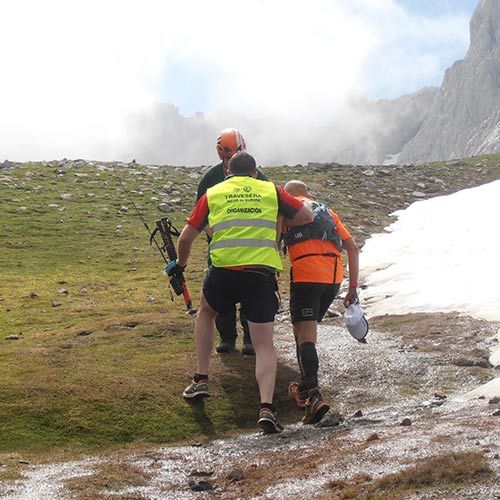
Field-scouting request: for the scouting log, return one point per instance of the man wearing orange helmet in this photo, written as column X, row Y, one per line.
column 229, row 142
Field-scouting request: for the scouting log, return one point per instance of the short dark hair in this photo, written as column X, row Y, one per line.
column 242, row 163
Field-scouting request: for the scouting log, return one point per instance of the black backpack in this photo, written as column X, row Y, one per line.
column 322, row 228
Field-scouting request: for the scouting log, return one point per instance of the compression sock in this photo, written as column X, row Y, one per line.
column 310, row 364
column 301, row 368
column 198, row 377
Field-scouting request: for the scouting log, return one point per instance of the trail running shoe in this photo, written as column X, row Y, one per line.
column 247, row 349
column 196, row 390
column 298, row 396
column 268, row 421
column 316, row 409
column 226, row 348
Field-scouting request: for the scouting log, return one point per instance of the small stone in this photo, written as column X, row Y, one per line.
column 202, row 473
column 358, row 414
column 164, row 207
column 63, row 291
column 66, row 196
column 123, row 208
column 405, row 422
column 56, row 303
column 83, row 333
column 83, row 291
column 12, row 337
column 494, row 401
column 2, row 298
column 24, row 462
column 236, row 475
column 200, row 485
column 331, row 419
column 151, row 298
column 61, row 282
column 34, row 295
column 440, row 394
column 372, row 437
column 496, row 413
column 418, row 194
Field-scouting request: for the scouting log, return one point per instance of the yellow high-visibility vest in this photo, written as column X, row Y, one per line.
column 243, row 214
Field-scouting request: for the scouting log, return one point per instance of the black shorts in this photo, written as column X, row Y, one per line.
column 310, row 301
column 256, row 290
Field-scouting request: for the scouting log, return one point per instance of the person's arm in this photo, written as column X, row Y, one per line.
column 303, row 216
column 185, row 243
column 295, row 212
column 349, row 245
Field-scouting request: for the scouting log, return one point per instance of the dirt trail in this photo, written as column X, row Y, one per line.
column 414, row 367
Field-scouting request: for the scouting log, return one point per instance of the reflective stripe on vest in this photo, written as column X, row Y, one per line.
column 243, row 214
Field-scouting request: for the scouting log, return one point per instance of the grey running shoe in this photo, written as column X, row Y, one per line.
column 196, row 390
column 316, row 408
column 226, row 348
column 268, row 421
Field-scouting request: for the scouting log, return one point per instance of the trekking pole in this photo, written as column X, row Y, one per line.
column 166, row 229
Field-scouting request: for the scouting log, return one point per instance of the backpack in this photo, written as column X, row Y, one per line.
column 322, row 228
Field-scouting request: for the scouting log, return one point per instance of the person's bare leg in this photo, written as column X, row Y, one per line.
column 305, row 331
column 204, row 331
column 265, row 359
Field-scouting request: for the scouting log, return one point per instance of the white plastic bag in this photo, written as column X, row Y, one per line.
column 356, row 322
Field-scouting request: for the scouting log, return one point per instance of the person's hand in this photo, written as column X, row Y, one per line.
column 351, row 297
column 174, row 269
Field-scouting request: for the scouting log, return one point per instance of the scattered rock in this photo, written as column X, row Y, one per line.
column 372, row 437
column 21, row 209
column 358, row 414
column 405, row 422
column 493, row 401
column 2, row 298
column 201, row 473
column 164, row 207
column 12, row 337
column 332, row 419
column 83, row 291
column 56, row 303
column 496, row 413
column 34, row 295
column 66, row 196
column 151, row 298
column 418, row 194
column 200, row 485
column 236, row 475
column 63, row 291
column 24, row 462
column 440, row 394
column 83, row 333
column 61, row 282
column 123, row 208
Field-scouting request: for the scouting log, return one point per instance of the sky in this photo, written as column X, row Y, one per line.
column 72, row 72
column 448, row 265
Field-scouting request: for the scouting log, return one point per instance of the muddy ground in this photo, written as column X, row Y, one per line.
column 400, row 426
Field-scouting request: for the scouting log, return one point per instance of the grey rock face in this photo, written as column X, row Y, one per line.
column 464, row 119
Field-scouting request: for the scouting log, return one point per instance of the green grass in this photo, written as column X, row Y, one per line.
column 121, row 384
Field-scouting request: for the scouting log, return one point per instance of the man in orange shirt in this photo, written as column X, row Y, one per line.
column 316, row 274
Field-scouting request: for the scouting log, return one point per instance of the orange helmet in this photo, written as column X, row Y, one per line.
column 229, row 142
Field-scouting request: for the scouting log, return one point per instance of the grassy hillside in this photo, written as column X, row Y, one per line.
column 100, row 353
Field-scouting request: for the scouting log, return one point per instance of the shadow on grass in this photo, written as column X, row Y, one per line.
column 199, row 413
column 242, row 392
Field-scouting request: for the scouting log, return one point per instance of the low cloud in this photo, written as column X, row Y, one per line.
column 86, row 79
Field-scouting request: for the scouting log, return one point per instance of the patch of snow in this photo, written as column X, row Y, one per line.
column 441, row 255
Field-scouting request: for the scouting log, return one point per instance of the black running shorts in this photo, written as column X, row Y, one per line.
column 310, row 301
column 256, row 290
